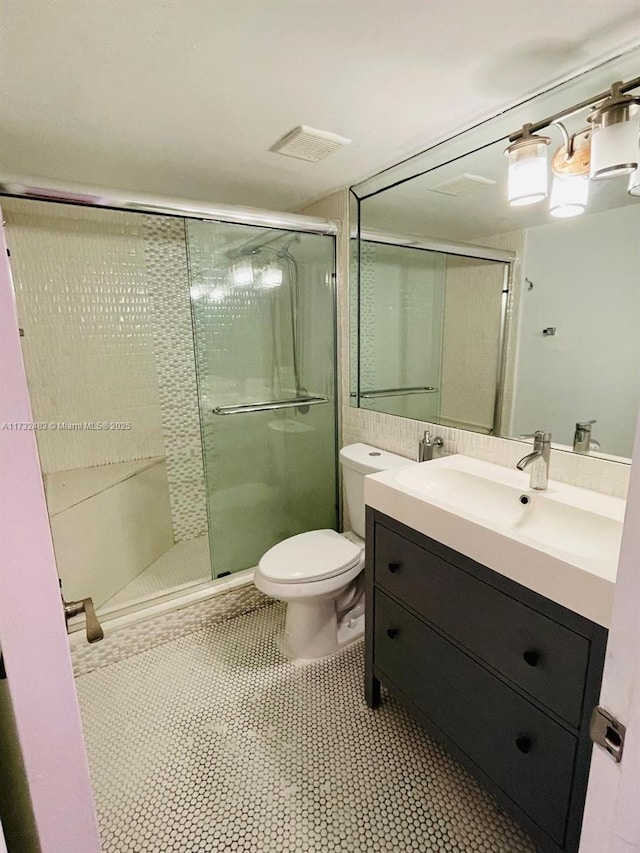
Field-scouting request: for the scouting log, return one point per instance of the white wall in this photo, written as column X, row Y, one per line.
column 586, row 282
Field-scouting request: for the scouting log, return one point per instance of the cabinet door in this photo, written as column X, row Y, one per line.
column 528, row 755
column 543, row 657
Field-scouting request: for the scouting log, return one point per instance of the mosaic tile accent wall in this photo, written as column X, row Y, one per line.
column 145, row 633
column 86, row 306
column 401, row 435
column 168, row 275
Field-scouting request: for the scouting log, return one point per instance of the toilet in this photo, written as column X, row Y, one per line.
column 319, row 574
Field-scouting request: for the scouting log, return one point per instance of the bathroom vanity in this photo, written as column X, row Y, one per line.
column 505, row 677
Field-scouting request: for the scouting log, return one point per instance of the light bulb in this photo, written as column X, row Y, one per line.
column 615, row 149
column 569, row 196
column 527, row 170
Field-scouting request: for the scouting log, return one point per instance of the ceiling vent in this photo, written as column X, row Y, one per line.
column 307, row 143
column 465, row 184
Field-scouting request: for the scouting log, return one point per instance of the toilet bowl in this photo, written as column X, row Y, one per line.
column 319, row 574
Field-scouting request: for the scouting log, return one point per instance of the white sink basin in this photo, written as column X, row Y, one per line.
column 563, row 542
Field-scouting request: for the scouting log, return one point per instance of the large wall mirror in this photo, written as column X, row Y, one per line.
column 472, row 312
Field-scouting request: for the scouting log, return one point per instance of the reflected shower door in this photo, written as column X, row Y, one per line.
column 264, row 324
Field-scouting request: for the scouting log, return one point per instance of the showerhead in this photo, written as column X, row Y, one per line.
column 254, row 248
column 285, row 249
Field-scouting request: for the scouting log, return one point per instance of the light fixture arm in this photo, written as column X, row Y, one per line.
column 616, row 90
column 568, row 138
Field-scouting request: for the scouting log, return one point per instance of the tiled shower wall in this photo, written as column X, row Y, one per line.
column 86, row 307
column 103, row 297
column 401, row 435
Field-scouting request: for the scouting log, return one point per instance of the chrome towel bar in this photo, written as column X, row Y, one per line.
column 397, row 392
column 269, row 405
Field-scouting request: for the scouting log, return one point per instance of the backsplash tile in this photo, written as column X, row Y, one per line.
column 400, row 435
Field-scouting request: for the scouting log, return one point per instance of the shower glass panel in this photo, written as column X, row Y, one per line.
column 401, row 312
column 103, row 301
column 264, row 322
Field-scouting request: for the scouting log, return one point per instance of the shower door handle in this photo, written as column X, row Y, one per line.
column 269, row 405
column 84, row 605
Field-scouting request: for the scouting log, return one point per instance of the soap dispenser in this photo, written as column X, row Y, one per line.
column 427, row 446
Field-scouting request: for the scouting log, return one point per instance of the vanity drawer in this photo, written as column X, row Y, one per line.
column 533, row 651
column 528, row 755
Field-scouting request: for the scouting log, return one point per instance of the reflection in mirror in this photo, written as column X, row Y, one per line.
column 570, row 350
column 421, row 355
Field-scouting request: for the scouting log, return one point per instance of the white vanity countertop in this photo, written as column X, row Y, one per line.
column 562, row 543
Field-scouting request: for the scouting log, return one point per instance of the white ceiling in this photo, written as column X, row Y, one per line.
column 185, row 97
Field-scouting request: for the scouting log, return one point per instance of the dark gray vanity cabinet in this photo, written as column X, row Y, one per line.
column 504, row 678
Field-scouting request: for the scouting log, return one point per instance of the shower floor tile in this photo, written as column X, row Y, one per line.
column 186, row 562
column 213, row 742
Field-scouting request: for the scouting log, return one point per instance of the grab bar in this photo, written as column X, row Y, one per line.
column 269, row 405
column 397, row 392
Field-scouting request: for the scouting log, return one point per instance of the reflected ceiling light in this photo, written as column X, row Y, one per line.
column 242, row 273
column 570, row 166
column 615, row 149
column 527, row 158
column 217, row 294
column 197, row 291
column 271, row 276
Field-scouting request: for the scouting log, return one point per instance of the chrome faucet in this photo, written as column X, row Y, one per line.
column 427, row 446
column 539, row 459
column 582, row 441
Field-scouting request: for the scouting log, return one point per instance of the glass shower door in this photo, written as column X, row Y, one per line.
column 264, row 324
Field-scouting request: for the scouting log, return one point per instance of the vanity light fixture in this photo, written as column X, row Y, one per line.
column 527, row 158
column 608, row 147
column 615, row 145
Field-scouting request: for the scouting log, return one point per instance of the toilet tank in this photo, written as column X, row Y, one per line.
column 357, row 461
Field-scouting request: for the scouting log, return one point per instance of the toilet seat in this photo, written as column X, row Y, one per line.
column 308, row 557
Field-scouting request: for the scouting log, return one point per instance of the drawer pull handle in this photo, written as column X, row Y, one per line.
column 523, row 744
column 531, row 657
column 393, row 567
column 392, row 633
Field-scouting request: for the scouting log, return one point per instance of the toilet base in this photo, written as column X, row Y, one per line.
column 312, row 630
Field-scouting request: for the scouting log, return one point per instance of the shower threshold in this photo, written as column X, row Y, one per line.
column 162, row 591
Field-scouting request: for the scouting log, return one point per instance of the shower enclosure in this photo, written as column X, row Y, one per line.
column 263, row 315
column 181, row 367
